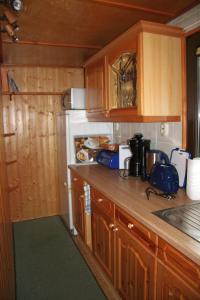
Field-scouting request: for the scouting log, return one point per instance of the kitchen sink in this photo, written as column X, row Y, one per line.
column 186, row 218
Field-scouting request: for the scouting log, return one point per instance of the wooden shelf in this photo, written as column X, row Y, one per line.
column 9, row 134
column 33, row 93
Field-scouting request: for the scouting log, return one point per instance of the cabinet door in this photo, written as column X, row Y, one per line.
column 78, row 205
column 122, row 81
column 95, row 86
column 172, row 287
column 135, row 268
column 103, row 240
column 160, row 75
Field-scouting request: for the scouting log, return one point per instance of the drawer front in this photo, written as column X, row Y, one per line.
column 133, row 227
column 179, row 263
column 103, row 203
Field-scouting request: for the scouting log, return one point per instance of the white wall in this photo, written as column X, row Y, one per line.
column 124, row 131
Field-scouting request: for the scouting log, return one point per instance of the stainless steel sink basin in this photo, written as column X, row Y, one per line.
column 186, row 218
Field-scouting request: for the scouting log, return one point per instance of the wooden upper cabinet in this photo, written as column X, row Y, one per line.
column 121, row 73
column 143, row 75
column 95, row 87
column 159, row 75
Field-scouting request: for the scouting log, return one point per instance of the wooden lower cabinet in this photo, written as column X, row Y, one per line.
column 103, row 240
column 135, row 268
column 170, row 286
column 140, row 264
column 78, row 205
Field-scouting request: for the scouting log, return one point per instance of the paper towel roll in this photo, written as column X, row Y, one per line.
column 193, row 179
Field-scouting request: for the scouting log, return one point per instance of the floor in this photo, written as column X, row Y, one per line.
column 48, row 264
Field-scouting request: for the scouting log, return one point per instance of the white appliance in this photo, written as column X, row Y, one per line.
column 77, row 125
column 73, row 98
column 124, row 152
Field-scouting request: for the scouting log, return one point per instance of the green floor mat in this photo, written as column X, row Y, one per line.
column 48, row 264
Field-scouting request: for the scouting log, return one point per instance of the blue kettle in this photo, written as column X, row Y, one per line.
column 164, row 177
column 152, row 157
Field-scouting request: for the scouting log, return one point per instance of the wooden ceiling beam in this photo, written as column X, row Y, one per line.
column 53, row 44
column 113, row 3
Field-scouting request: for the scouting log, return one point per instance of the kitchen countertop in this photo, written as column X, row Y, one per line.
column 129, row 194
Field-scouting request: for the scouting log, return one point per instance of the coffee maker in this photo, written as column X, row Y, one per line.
column 139, row 147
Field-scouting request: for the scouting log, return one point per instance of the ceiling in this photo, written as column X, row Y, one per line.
column 67, row 32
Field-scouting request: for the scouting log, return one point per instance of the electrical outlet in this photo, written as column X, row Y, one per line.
column 164, row 129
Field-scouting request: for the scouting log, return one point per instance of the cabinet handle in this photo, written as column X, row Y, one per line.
column 130, row 225
column 100, row 200
column 65, row 183
column 115, row 229
column 81, row 196
column 75, row 179
column 111, row 226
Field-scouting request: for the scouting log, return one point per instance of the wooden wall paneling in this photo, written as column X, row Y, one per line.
column 43, row 79
column 7, row 281
column 50, row 43
column 32, row 152
column 4, row 80
column 39, row 172
column 9, row 123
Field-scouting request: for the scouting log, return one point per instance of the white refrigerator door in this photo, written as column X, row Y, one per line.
column 77, row 125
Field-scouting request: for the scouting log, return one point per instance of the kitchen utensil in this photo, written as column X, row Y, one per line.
column 164, row 177
column 179, row 159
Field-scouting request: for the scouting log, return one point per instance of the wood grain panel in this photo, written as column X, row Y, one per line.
column 44, row 55
column 7, row 281
column 42, row 79
column 31, row 153
column 172, row 286
column 162, row 54
column 80, row 23
column 77, row 21
column 164, row 7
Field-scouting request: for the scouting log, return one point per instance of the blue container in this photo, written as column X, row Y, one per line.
column 108, row 158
